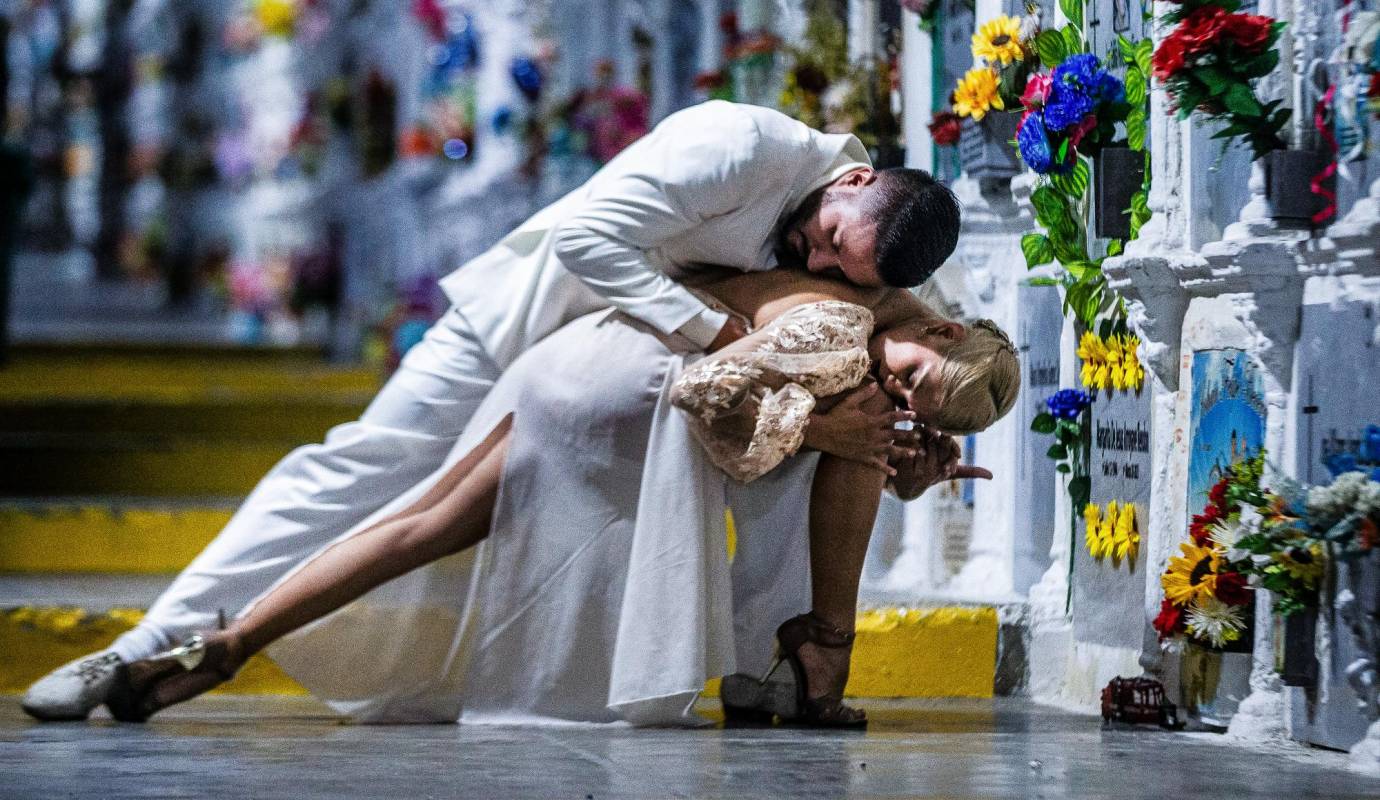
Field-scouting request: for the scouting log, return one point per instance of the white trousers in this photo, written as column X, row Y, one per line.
column 319, row 491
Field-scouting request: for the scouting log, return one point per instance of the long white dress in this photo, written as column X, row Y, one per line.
column 603, row 592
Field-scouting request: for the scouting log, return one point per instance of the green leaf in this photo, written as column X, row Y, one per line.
column 1135, row 129
column 1241, row 100
column 1083, row 270
column 1044, row 422
column 1145, row 52
column 1128, row 50
column 1073, row 39
column 1041, row 281
column 1064, row 468
column 1057, row 452
column 1050, row 206
column 1079, row 489
column 1037, row 250
column 1217, row 80
column 1073, row 11
column 1114, row 247
column 1050, row 45
column 1260, row 65
column 1135, row 87
column 1075, row 183
column 1140, row 205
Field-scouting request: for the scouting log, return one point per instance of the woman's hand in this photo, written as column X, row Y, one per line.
column 861, row 427
column 936, row 459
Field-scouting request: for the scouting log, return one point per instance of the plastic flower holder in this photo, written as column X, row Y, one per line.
column 1295, row 657
column 985, row 148
column 1119, row 175
column 1288, row 175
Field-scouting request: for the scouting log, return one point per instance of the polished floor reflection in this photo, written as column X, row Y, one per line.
column 289, row 748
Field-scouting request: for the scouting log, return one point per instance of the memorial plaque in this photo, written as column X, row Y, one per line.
column 1228, row 418
column 1338, row 363
column 1109, row 593
column 1037, row 337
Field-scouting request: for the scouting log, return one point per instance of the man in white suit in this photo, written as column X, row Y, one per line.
column 716, row 184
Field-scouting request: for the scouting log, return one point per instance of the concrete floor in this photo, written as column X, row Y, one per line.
column 286, row 748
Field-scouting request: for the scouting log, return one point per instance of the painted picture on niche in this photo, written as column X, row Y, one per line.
column 1228, row 421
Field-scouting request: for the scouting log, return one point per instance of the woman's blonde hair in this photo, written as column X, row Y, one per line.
column 980, row 378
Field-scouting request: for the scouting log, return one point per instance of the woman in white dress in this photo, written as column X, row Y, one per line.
column 569, row 561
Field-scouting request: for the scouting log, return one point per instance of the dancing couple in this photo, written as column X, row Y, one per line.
column 529, row 523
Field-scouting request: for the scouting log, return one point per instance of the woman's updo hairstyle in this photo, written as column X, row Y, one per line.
column 980, row 378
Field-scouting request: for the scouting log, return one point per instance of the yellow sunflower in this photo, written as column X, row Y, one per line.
column 1127, row 538
column 1132, row 373
column 1092, row 352
column 1106, row 532
column 998, row 41
column 1304, row 565
column 1192, row 575
column 1114, row 360
column 1092, row 515
column 976, row 94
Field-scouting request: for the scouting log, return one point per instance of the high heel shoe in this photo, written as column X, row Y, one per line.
column 825, row 711
column 142, row 688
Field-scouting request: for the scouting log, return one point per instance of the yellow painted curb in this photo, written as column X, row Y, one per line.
column 104, row 538
column 937, row 652
column 35, row 640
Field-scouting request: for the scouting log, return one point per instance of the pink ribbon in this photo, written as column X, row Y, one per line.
column 1319, row 183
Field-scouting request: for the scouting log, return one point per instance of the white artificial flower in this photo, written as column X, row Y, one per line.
column 1215, row 621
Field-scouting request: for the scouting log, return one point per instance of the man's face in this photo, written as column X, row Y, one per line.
column 828, row 235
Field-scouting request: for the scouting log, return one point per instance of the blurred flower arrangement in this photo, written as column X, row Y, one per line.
column 1207, row 586
column 818, row 63
column 1112, row 533
column 1111, row 362
column 1002, row 60
column 926, row 10
column 1209, row 63
column 607, row 118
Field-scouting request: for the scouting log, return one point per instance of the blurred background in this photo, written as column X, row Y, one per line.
column 298, row 173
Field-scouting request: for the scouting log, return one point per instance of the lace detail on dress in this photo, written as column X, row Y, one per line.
column 751, row 409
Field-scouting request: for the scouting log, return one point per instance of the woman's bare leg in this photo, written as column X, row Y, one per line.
column 453, row 515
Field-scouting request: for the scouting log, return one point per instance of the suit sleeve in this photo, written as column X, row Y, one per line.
column 692, row 175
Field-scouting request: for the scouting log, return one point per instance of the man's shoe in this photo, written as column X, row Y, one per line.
column 73, row 689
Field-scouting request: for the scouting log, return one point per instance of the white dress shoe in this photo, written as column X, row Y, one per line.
column 73, row 689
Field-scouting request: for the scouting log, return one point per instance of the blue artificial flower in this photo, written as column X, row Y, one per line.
column 1338, row 463
column 527, row 75
column 1079, row 86
column 1110, row 89
column 1370, row 443
column 1067, row 105
column 1036, row 151
column 1067, row 403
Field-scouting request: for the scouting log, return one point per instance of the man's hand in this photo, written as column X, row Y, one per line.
column 862, row 428
column 936, row 460
column 732, row 331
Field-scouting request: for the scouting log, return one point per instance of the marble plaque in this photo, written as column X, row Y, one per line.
column 1037, row 338
column 1338, row 363
column 1227, row 418
column 1109, row 594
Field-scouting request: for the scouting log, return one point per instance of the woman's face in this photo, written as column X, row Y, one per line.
column 908, row 359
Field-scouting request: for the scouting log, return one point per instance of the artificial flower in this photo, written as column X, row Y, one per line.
column 1232, row 589
column 1133, row 374
column 1192, row 575
column 1092, row 515
column 945, row 128
column 1114, row 362
column 1367, row 533
column 1215, row 622
column 276, row 17
column 1106, row 532
column 1303, row 564
column 1169, row 58
column 1033, row 143
column 1036, row 91
column 1251, row 32
column 1127, row 538
column 1091, row 351
column 1170, row 621
column 1067, row 403
column 998, row 41
column 976, row 94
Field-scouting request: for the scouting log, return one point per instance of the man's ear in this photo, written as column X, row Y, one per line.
column 858, row 178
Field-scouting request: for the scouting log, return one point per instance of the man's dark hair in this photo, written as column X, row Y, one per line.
column 917, row 224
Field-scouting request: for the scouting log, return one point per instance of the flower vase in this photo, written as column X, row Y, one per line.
column 1120, row 174
column 1288, row 178
column 1295, row 660
column 1212, row 684
column 985, row 148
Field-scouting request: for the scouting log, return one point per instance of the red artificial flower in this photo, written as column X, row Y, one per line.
column 1217, row 495
column 1169, row 57
column 1037, row 90
column 1367, row 533
column 1077, row 132
column 1232, row 589
column 1170, row 621
column 1250, row 31
column 945, row 128
column 1201, row 29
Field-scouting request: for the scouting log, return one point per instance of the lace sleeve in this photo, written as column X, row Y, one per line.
column 750, row 410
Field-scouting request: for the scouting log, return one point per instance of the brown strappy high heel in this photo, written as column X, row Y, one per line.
column 144, row 687
column 828, row 711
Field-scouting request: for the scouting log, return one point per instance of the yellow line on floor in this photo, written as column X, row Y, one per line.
column 107, row 539
column 936, row 652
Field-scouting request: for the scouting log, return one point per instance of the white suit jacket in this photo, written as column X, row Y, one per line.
column 707, row 186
